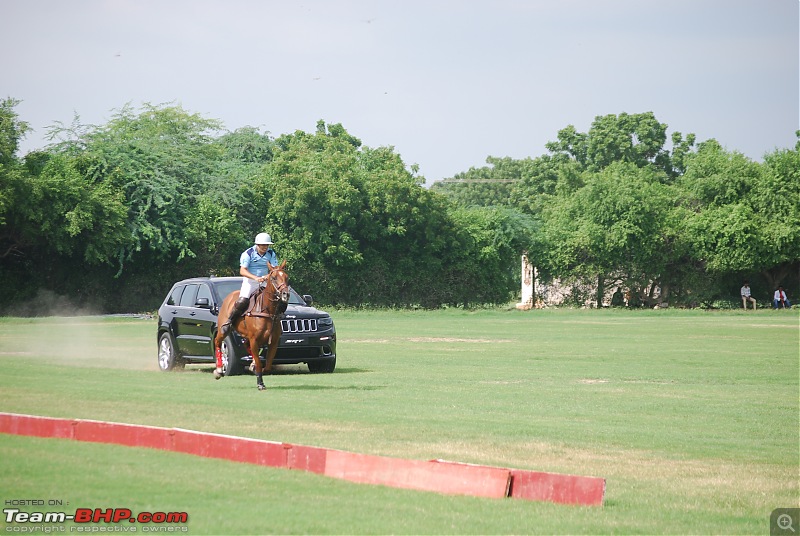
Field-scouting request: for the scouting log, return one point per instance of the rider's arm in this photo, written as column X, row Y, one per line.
column 244, row 272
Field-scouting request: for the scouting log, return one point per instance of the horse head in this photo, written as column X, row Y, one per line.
column 278, row 280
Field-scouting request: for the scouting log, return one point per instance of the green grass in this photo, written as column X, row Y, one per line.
column 691, row 416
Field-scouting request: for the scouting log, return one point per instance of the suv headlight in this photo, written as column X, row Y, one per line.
column 325, row 321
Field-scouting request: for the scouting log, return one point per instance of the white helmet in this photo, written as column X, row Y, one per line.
column 263, row 238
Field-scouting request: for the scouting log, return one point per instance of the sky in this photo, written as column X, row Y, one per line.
column 446, row 83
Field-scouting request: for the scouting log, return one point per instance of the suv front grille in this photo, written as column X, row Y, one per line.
column 299, row 325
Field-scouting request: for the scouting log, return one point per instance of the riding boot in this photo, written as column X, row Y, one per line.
column 238, row 310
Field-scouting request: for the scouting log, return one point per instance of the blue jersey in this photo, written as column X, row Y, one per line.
column 257, row 264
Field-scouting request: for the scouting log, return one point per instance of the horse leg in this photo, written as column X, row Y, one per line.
column 218, row 355
column 272, row 349
column 225, row 313
column 254, row 351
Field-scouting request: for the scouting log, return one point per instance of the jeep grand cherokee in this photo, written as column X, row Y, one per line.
column 187, row 325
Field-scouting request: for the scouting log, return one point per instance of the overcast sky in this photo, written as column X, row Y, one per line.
column 445, row 82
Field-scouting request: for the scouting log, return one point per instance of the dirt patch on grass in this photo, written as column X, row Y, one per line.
column 504, row 382
column 429, row 339
column 787, row 326
column 454, row 339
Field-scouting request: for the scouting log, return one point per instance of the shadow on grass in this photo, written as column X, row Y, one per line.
column 325, row 387
column 288, row 370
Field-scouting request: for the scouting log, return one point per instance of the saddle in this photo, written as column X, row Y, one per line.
column 255, row 305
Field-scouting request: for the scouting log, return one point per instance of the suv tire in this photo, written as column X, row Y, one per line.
column 231, row 362
column 325, row 367
column 167, row 356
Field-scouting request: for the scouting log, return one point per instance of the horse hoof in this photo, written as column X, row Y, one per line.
column 261, row 387
column 217, row 373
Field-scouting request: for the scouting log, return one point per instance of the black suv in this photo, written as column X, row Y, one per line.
column 187, row 325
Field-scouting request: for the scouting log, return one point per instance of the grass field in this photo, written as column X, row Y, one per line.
column 692, row 417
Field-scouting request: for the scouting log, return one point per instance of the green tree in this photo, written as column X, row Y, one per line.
column 571, row 144
column 48, row 202
column 485, row 186
column 12, row 175
column 544, row 178
column 777, row 200
column 314, row 199
column 12, row 131
column 635, row 138
column 73, row 214
column 215, row 236
column 744, row 216
column 161, row 159
column 247, row 145
column 14, row 189
column 353, row 222
column 485, row 264
column 612, row 230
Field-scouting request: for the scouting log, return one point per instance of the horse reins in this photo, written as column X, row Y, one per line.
column 270, row 280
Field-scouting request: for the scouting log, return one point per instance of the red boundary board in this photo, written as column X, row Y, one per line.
column 415, row 474
column 436, row 475
column 552, row 487
column 312, row 459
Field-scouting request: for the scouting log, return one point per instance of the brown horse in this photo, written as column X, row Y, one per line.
column 260, row 324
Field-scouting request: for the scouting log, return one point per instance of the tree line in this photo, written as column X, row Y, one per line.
column 109, row 216
column 616, row 208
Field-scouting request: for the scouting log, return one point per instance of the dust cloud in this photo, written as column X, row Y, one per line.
column 48, row 303
column 52, row 330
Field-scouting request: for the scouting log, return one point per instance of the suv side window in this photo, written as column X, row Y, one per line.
column 189, row 296
column 205, row 292
column 175, row 297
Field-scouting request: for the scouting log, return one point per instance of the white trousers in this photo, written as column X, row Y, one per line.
column 248, row 287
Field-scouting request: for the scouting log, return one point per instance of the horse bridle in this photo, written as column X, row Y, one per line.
column 271, row 279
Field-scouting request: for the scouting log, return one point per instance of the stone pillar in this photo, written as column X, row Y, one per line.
column 528, row 281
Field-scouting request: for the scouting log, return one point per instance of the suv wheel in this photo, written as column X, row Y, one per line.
column 326, row 366
column 167, row 356
column 231, row 363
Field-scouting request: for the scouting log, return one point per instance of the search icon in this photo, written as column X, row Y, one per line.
column 785, row 522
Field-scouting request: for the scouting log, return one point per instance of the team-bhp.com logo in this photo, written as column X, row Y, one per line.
column 86, row 520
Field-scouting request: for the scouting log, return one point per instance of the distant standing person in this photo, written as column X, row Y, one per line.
column 746, row 296
column 780, row 298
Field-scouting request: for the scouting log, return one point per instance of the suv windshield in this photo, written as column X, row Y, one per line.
column 226, row 287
